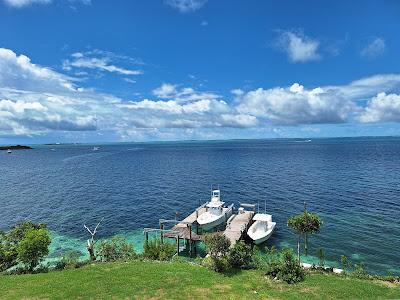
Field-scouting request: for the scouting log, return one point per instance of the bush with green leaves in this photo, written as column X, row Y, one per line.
column 359, row 272
column 285, row 268
column 26, row 243
column 115, row 249
column 241, row 256
column 33, row 247
column 263, row 256
column 158, row 251
column 70, row 260
column 217, row 246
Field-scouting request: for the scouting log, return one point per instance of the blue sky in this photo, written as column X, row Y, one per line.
column 91, row 71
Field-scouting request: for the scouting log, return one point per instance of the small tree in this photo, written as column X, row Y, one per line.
column 9, row 242
column 304, row 224
column 34, row 247
column 217, row 246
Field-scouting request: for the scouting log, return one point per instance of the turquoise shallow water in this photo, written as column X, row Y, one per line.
column 354, row 184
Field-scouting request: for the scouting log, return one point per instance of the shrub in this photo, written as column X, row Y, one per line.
column 285, row 268
column 9, row 242
column 359, row 272
column 33, row 247
column 217, row 246
column 156, row 251
column 241, row 256
column 24, row 270
column 219, row 264
column 117, row 248
column 262, row 260
column 344, row 262
column 70, row 260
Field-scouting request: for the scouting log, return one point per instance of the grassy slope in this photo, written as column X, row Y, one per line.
column 154, row 280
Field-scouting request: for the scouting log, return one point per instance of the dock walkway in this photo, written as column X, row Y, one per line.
column 237, row 225
column 184, row 227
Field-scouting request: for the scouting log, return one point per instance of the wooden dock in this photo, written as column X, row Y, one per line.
column 184, row 227
column 237, row 226
column 193, row 216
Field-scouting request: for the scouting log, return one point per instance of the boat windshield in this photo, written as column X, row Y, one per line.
column 215, row 210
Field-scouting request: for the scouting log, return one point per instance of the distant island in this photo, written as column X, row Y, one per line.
column 15, row 147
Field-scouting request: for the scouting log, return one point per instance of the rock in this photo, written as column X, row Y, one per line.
column 337, row 271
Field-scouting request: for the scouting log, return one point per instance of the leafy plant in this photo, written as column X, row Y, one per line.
column 241, row 256
column 261, row 259
column 217, row 246
column 285, row 268
column 10, row 240
column 33, row 247
column 345, row 263
column 359, row 272
column 158, row 251
column 117, row 248
column 70, row 260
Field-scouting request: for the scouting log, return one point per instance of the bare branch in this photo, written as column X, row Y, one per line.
column 95, row 229
column 87, row 228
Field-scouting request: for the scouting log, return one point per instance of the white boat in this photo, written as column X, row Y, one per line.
column 216, row 212
column 262, row 228
column 9, row 151
column 96, row 148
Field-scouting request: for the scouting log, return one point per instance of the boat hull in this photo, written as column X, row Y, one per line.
column 263, row 239
column 222, row 219
column 260, row 238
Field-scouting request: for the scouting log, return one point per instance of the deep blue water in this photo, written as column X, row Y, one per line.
column 354, row 184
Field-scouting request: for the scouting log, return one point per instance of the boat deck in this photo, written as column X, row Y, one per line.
column 237, row 225
column 193, row 216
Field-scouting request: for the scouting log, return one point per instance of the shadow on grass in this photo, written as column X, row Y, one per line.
column 232, row 272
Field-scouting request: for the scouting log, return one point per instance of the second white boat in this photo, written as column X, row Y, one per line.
column 261, row 229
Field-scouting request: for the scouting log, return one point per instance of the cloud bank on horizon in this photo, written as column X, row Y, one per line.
column 36, row 100
column 196, row 69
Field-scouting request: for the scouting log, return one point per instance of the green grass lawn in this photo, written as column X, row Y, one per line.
column 158, row 280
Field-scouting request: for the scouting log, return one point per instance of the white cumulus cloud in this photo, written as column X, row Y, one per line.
column 295, row 105
column 298, row 46
column 382, row 108
column 17, row 71
column 36, row 100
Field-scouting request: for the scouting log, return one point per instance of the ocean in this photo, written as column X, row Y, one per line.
column 352, row 183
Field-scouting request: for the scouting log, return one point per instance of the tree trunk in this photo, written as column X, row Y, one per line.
column 90, row 249
column 305, row 244
column 298, row 248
